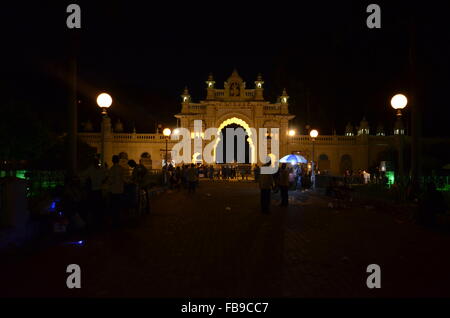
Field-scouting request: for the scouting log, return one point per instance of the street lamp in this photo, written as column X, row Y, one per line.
column 166, row 133
column 104, row 101
column 313, row 134
column 291, row 133
column 399, row 102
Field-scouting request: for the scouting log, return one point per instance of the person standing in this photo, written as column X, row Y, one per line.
column 265, row 185
column 96, row 176
column 283, row 183
column 139, row 197
column 117, row 176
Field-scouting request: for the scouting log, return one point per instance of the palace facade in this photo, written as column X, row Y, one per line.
column 236, row 105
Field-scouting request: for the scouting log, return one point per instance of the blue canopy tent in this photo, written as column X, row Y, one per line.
column 293, row 159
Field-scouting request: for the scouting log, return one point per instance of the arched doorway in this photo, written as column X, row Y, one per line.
column 234, row 131
column 235, row 123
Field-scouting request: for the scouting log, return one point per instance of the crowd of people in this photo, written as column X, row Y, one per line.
column 222, row 172
column 125, row 191
column 122, row 191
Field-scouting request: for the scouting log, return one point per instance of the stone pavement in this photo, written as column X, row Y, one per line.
column 215, row 243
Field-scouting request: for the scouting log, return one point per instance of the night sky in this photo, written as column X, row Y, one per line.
column 334, row 68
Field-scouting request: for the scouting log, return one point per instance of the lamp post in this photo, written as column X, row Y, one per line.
column 313, row 134
column 291, row 134
column 166, row 133
column 104, row 101
column 399, row 102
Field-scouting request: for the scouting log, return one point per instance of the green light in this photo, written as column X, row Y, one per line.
column 20, row 174
column 445, row 189
column 391, row 177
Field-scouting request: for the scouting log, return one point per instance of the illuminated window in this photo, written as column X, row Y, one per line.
column 364, row 131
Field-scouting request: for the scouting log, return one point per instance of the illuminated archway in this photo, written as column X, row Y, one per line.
column 243, row 124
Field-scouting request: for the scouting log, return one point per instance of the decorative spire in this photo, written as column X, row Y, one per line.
column 186, row 97
column 259, row 77
column 259, row 82
column 259, row 87
column 210, row 82
column 235, row 76
column 210, row 91
column 284, row 97
column 363, row 127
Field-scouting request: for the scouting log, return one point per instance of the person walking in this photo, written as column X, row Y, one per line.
column 283, row 183
column 265, row 185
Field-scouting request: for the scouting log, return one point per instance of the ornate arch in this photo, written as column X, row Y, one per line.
column 241, row 122
column 234, row 114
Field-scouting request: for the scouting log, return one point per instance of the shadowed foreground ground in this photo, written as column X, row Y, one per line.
column 191, row 245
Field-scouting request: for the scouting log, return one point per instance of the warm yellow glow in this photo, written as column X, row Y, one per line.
column 104, row 100
column 176, row 131
column 242, row 123
column 314, row 133
column 399, row 101
column 292, row 132
column 273, row 160
column 167, row 132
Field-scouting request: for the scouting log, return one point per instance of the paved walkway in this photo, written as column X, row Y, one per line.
column 215, row 243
